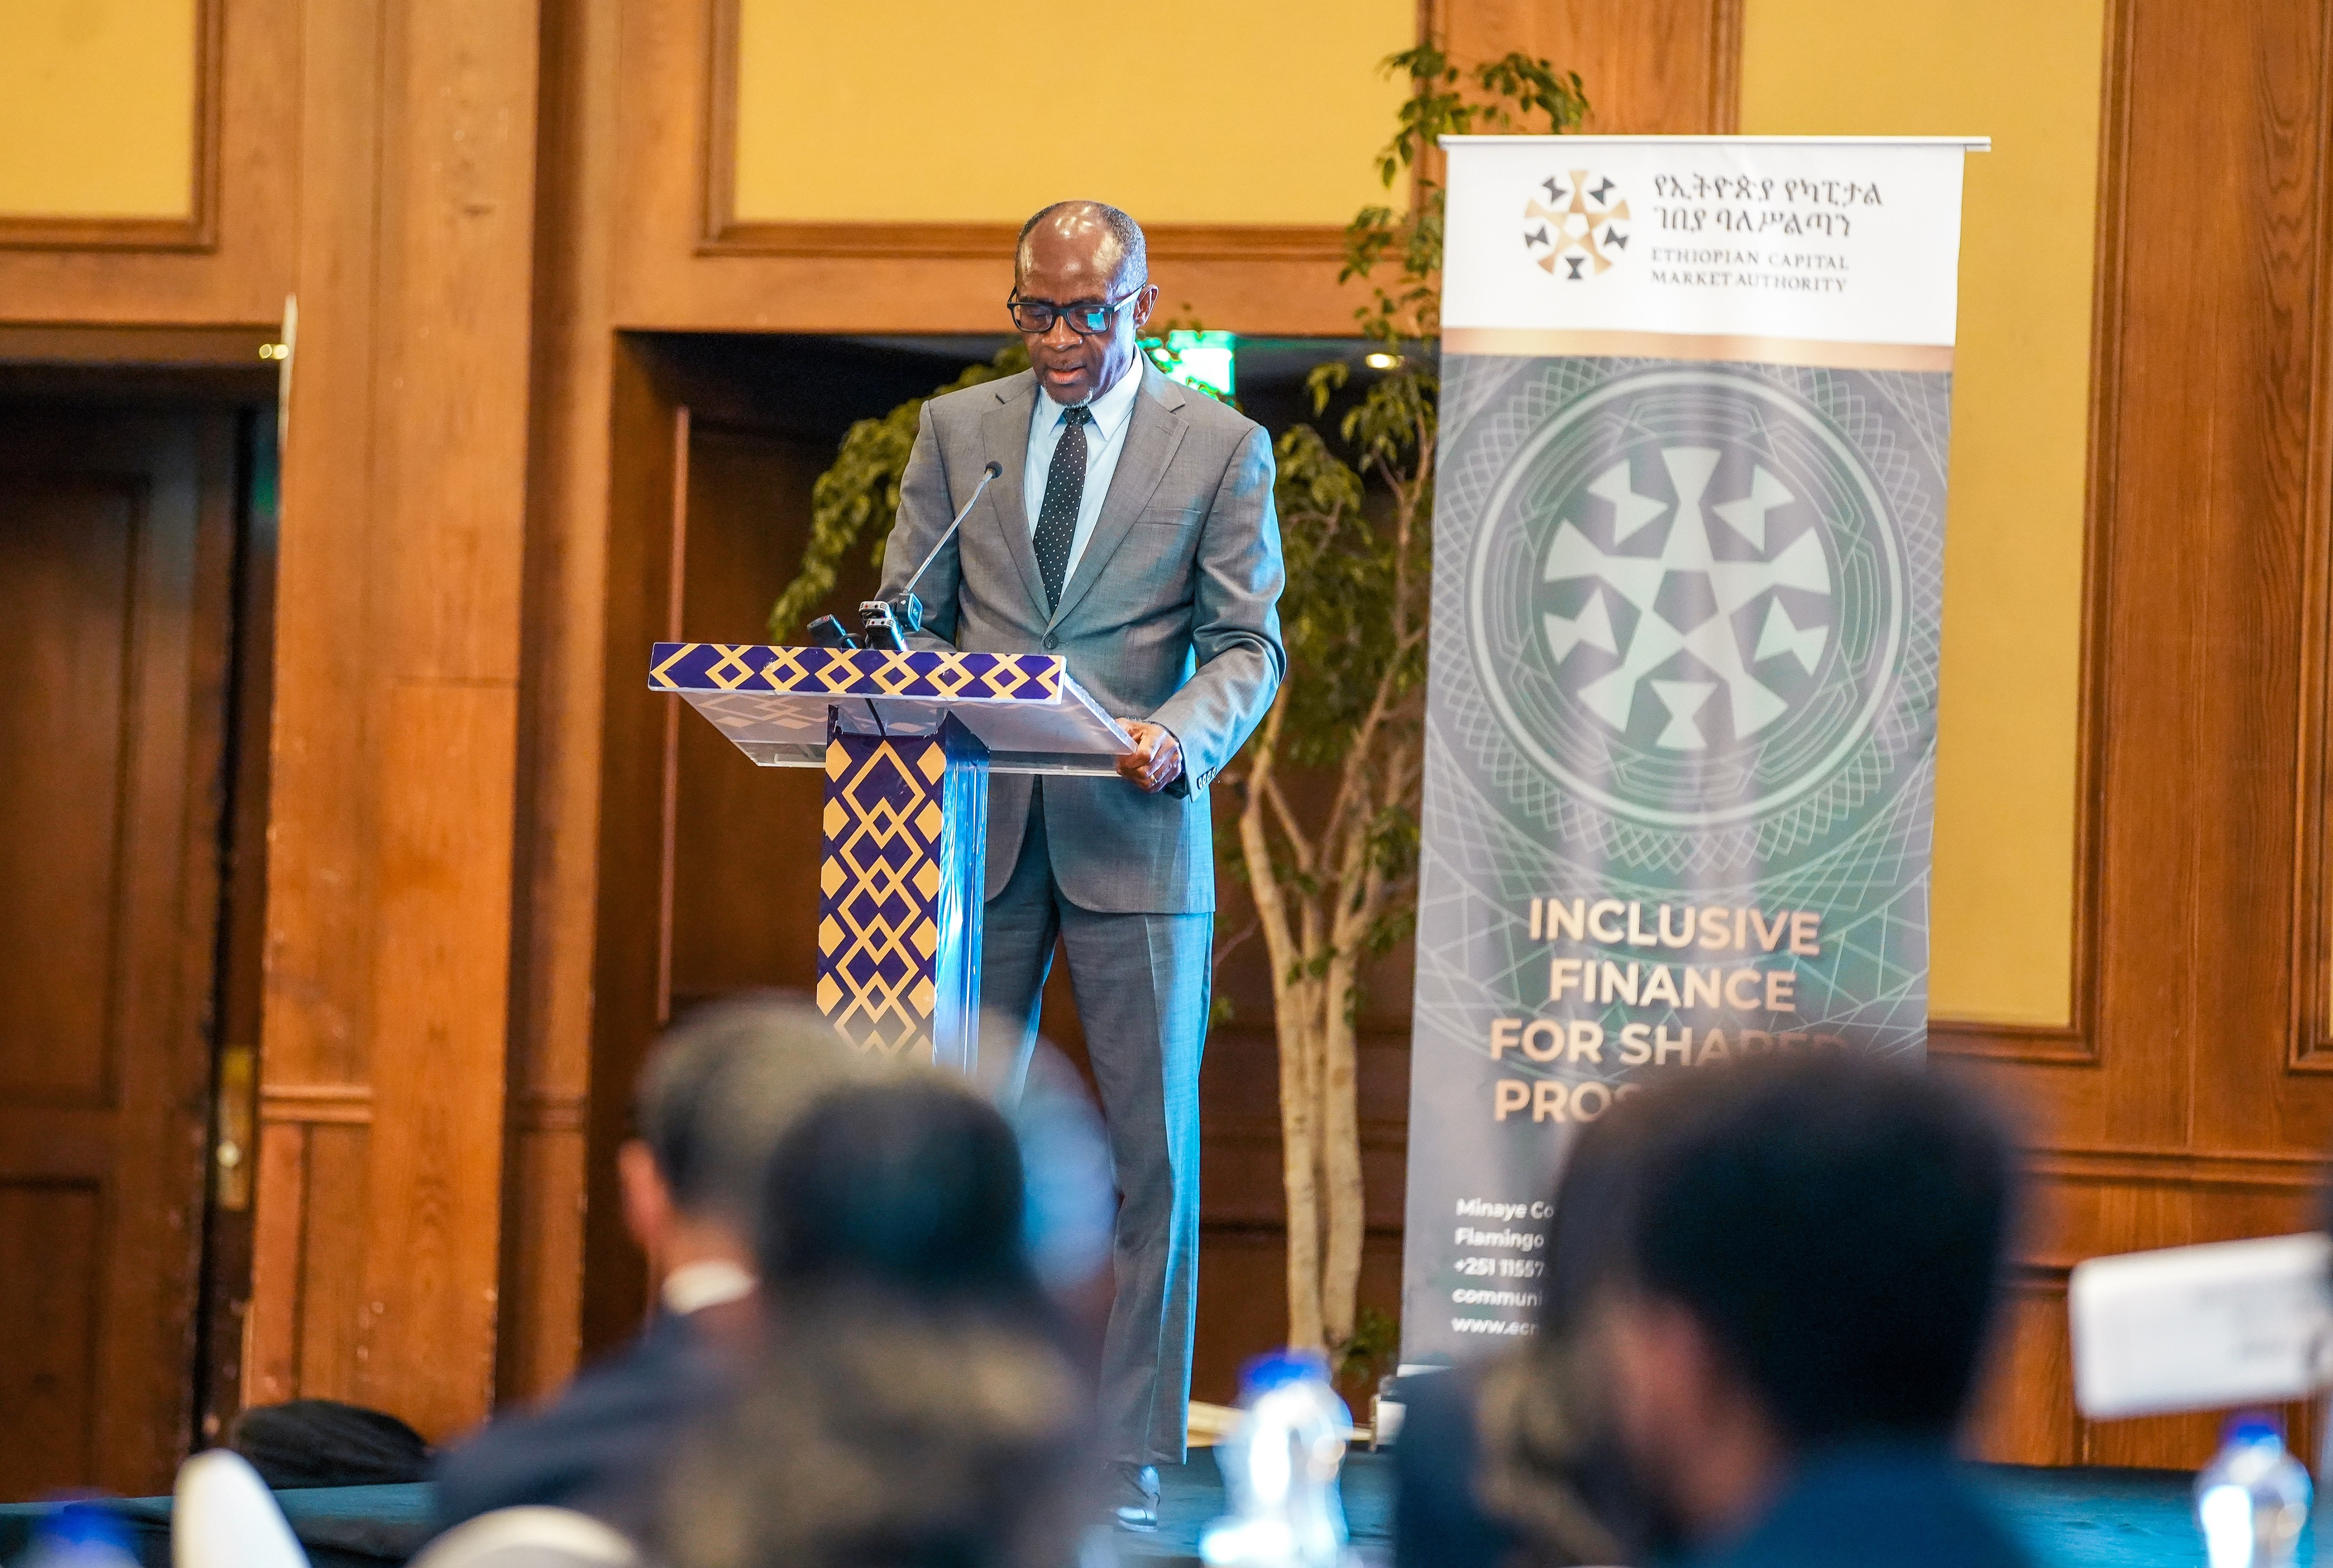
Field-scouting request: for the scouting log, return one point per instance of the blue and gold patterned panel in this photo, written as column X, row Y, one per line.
column 900, row 891
column 919, row 672
column 775, row 704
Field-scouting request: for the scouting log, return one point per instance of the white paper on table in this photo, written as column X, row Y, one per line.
column 2188, row 1328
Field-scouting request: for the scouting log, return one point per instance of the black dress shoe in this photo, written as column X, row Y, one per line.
column 1134, row 1489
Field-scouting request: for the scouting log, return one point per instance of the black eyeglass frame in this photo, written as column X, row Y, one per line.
column 1107, row 310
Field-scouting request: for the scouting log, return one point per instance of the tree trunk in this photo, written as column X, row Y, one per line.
column 1293, row 1012
column 1340, row 1154
column 1313, row 931
column 1300, row 1133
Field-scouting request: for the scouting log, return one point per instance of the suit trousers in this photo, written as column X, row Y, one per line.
column 1142, row 985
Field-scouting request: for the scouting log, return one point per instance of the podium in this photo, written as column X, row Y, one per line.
column 907, row 740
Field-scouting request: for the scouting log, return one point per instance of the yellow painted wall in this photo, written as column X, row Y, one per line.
column 2025, row 73
column 97, row 107
column 1220, row 111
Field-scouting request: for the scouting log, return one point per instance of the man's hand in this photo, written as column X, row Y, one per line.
column 1156, row 757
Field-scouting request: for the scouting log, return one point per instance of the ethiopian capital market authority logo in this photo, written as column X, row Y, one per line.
column 1687, row 604
column 1577, row 228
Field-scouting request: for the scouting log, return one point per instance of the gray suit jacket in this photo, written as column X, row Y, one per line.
column 1170, row 616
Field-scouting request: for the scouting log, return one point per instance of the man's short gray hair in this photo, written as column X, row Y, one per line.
column 723, row 1085
column 1133, row 249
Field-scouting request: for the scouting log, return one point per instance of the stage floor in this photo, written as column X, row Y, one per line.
column 2072, row 1519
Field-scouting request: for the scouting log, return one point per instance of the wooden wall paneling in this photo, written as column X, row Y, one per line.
column 271, row 1329
column 171, row 1015
column 2183, row 1105
column 1666, row 66
column 307, row 1254
column 333, row 1255
column 193, row 362
column 2266, row 79
column 2313, row 1040
column 647, row 519
column 569, row 493
column 539, row 1339
column 2025, row 1412
column 317, row 1016
column 746, row 841
column 395, row 717
column 117, row 541
column 453, row 435
column 681, row 265
column 51, row 1249
column 432, row 1265
column 308, row 1259
column 704, row 889
column 2203, row 634
column 669, row 714
column 232, row 260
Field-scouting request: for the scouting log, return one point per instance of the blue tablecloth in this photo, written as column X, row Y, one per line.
column 340, row 1527
column 2072, row 1519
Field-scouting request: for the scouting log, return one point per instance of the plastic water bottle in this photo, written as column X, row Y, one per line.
column 1280, row 1471
column 80, row 1534
column 2253, row 1498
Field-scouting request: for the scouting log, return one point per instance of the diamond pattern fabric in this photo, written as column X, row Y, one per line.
column 898, row 964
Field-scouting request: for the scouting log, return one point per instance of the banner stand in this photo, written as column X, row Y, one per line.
column 1681, row 711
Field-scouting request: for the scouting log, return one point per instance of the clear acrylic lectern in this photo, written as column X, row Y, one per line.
column 907, row 739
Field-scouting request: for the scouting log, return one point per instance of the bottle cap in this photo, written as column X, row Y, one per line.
column 2252, row 1426
column 1281, row 1368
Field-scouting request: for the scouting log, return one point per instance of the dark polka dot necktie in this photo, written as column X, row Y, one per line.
column 1065, row 492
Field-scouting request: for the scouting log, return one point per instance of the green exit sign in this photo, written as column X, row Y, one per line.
column 1201, row 359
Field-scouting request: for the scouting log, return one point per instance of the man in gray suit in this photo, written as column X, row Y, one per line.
column 1132, row 532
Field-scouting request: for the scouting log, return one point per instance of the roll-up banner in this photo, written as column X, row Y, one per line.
column 1681, row 714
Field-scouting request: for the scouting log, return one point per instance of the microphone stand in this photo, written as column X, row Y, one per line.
column 889, row 623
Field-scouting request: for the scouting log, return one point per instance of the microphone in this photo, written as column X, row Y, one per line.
column 890, row 622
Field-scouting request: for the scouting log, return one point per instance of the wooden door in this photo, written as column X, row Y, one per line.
column 116, row 536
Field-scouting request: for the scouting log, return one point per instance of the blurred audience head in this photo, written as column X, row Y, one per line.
column 718, row 1093
column 1552, row 1469
column 916, row 1406
column 912, row 1187
column 326, row 1443
column 1813, row 1248
column 1587, row 1225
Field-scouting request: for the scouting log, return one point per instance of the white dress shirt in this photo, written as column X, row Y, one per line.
column 1113, row 413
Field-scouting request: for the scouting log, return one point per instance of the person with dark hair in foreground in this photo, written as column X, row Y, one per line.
column 1515, row 1459
column 718, row 1092
column 916, row 1407
column 1552, row 1472
column 1813, row 1253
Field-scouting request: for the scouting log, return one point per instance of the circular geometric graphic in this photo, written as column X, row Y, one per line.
column 1687, row 605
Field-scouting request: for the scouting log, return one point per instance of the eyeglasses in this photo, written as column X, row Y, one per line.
column 1036, row 317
